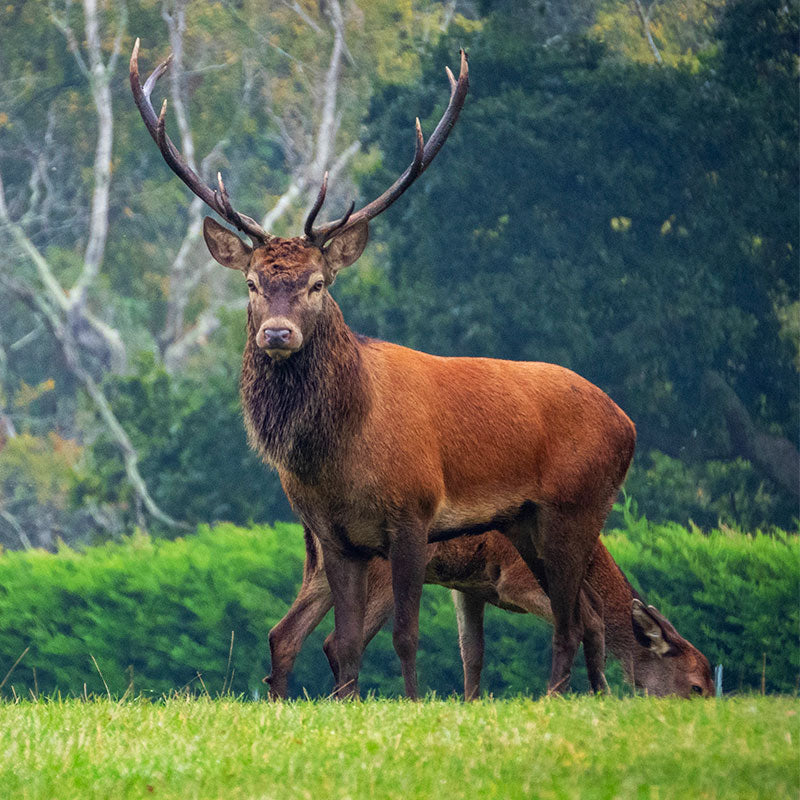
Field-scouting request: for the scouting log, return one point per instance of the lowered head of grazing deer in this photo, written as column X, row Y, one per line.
column 662, row 661
column 382, row 449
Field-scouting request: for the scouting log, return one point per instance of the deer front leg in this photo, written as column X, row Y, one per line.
column 594, row 639
column 380, row 604
column 408, row 557
column 347, row 579
column 469, row 615
column 313, row 602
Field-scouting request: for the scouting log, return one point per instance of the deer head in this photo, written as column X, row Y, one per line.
column 669, row 664
column 288, row 279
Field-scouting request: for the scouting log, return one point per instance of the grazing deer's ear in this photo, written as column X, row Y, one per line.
column 225, row 246
column 346, row 247
column 652, row 630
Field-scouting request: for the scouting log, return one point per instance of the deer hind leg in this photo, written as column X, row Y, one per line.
column 469, row 614
column 313, row 601
column 565, row 541
column 557, row 544
column 594, row 639
column 380, row 604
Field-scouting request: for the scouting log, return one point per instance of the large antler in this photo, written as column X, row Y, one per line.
column 217, row 199
column 424, row 154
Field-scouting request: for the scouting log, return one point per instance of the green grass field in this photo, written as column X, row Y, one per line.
column 579, row 747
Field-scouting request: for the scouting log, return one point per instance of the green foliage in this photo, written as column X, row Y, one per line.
column 733, row 595
column 150, row 612
column 154, row 613
column 706, row 493
column 40, row 477
column 192, row 444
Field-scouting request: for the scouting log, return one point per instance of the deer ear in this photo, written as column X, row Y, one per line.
column 346, row 247
column 225, row 246
column 652, row 630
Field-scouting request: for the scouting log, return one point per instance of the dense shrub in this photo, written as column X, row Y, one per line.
column 156, row 612
column 734, row 595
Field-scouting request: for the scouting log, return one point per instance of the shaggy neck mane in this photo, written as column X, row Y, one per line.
column 301, row 411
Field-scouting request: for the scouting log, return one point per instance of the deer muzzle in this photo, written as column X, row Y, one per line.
column 279, row 338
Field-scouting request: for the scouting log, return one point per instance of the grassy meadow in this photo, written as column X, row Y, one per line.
column 582, row 746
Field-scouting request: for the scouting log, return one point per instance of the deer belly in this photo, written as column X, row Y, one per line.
column 472, row 518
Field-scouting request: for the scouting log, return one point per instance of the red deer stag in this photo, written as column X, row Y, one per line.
column 381, row 449
column 487, row 569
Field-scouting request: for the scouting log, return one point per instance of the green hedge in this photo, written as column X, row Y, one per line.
column 156, row 612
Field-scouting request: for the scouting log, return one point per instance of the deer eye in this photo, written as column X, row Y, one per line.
column 251, row 286
column 317, row 287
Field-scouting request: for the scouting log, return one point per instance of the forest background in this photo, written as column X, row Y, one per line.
column 620, row 196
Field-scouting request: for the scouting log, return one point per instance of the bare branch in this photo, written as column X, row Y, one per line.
column 99, row 83
column 23, row 340
column 285, row 201
column 122, row 25
column 178, row 352
column 341, row 162
column 56, row 296
column 176, row 25
column 63, row 335
column 62, row 23
column 54, row 289
column 326, row 133
column 644, row 16
column 17, row 528
column 129, row 454
column 326, row 130
column 295, row 6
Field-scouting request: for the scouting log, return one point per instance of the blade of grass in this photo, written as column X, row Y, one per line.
column 97, row 667
column 13, row 667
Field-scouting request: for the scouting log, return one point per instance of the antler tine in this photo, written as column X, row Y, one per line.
column 223, row 197
column 308, row 228
column 319, row 237
column 219, row 201
column 423, row 156
column 458, row 93
column 453, row 84
column 325, row 232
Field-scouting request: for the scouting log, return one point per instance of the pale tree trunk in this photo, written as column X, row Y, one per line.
column 98, row 74
column 65, row 311
column 644, row 16
column 174, row 14
column 185, row 274
column 775, row 456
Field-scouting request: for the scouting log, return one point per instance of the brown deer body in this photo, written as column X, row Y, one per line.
column 382, row 449
column 487, row 569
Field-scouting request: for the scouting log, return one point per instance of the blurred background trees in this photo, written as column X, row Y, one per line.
column 619, row 196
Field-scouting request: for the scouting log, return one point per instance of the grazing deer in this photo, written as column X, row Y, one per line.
column 487, row 569
column 381, row 449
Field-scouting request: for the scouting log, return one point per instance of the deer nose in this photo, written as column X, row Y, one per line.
column 276, row 337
